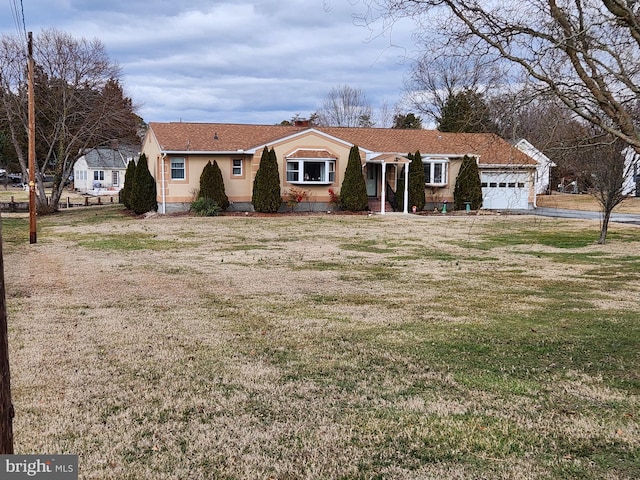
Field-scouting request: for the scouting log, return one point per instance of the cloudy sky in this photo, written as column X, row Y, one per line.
column 239, row 61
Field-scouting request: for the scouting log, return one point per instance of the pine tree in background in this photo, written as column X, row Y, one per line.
column 144, row 192
column 353, row 193
column 266, row 196
column 468, row 187
column 127, row 188
column 466, row 111
column 416, row 182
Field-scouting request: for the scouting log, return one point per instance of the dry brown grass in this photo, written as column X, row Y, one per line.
column 585, row 202
column 324, row 347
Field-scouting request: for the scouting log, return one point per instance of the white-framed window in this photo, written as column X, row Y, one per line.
column 81, row 175
column 436, row 172
column 178, row 168
column 98, row 175
column 115, row 178
column 311, row 171
column 236, row 170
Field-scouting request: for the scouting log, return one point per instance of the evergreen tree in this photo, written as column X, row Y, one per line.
column 144, row 192
column 416, row 182
column 466, row 112
column 219, row 194
column 353, row 193
column 468, row 187
column 400, row 191
column 127, row 188
column 408, row 121
column 212, row 185
column 266, row 196
column 206, row 182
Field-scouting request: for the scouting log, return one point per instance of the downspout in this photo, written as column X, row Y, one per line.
column 164, row 193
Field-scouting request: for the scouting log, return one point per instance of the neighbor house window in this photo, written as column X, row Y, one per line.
column 177, row 169
column 311, row 171
column 237, row 167
column 98, row 175
column 436, row 172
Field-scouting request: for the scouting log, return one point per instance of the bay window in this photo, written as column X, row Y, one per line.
column 311, row 171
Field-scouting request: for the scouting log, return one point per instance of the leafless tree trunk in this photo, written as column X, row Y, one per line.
column 6, row 406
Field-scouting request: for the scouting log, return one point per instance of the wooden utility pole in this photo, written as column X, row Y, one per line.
column 6, row 407
column 33, row 235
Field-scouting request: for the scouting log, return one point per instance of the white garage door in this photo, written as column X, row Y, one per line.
column 505, row 190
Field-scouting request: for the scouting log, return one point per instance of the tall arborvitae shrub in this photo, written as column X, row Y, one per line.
column 266, row 196
column 400, row 191
column 468, row 187
column 144, row 193
column 353, row 193
column 219, row 194
column 212, row 185
column 416, row 182
column 206, row 181
column 127, row 188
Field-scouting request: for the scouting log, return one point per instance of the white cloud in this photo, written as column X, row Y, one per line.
column 240, row 61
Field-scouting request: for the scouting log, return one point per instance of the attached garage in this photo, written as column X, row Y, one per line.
column 502, row 190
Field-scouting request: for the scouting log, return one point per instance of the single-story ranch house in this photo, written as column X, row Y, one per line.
column 314, row 159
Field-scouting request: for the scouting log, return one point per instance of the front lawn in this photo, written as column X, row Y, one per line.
column 326, row 346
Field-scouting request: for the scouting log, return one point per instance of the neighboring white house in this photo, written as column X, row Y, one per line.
column 631, row 181
column 543, row 177
column 100, row 171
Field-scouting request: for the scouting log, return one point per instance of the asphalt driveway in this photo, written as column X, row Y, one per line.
column 629, row 218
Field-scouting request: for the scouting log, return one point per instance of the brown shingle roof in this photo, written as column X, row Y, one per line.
column 219, row 137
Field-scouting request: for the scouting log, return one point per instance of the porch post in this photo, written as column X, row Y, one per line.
column 383, row 181
column 406, row 188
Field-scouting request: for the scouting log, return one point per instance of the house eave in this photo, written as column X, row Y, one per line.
column 506, row 166
column 205, row 152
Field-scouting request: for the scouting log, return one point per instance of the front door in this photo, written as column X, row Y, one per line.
column 373, row 176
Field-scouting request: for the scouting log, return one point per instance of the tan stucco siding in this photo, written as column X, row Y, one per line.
column 185, row 190
column 440, row 194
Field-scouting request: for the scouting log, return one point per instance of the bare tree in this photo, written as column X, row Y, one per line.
column 434, row 79
column 345, row 106
column 584, row 52
column 604, row 161
column 80, row 104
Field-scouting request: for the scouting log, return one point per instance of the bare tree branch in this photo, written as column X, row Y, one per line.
column 584, row 52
